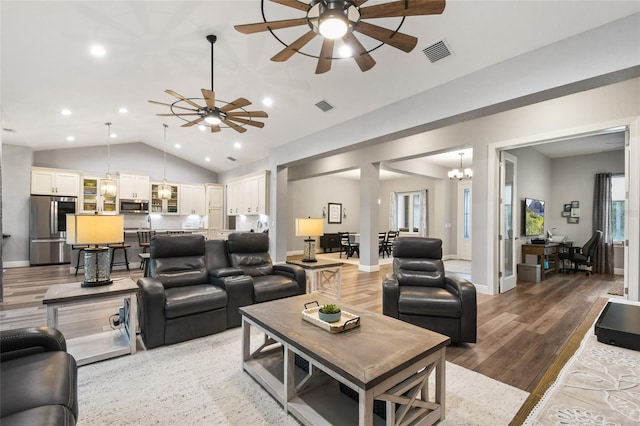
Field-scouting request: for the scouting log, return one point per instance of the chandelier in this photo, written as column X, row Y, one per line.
column 460, row 174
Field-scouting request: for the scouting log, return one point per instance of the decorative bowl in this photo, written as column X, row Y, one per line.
column 330, row 317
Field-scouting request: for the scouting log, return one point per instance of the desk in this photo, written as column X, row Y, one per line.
column 546, row 253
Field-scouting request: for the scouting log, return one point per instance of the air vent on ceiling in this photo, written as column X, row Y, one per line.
column 324, row 106
column 8, row 130
column 231, row 159
column 437, row 51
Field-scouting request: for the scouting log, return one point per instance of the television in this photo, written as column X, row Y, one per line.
column 532, row 217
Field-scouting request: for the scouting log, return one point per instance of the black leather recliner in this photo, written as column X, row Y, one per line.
column 418, row 292
column 178, row 302
column 38, row 380
column 249, row 252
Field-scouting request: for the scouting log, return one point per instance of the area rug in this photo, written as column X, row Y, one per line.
column 617, row 289
column 600, row 384
column 201, row 382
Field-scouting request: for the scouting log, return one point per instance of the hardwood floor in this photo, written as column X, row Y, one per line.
column 519, row 333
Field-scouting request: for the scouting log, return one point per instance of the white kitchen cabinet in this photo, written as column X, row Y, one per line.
column 215, row 196
column 134, row 187
column 91, row 199
column 248, row 195
column 192, row 200
column 54, row 182
column 164, row 206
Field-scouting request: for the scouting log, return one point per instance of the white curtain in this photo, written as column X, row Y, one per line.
column 424, row 229
column 392, row 211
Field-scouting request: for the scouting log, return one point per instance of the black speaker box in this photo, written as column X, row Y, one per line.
column 619, row 325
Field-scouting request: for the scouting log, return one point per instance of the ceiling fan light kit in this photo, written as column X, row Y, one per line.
column 341, row 20
column 232, row 114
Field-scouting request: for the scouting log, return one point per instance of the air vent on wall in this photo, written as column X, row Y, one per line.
column 324, row 106
column 231, row 159
column 437, row 51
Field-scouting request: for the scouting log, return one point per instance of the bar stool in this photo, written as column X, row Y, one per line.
column 144, row 242
column 116, row 246
column 80, row 249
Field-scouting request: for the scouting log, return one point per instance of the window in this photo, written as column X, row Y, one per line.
column 408, row 211
column 467, row 213
column 617, row 207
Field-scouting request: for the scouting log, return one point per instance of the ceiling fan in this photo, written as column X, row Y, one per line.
column 341, row 19
column 232, row 114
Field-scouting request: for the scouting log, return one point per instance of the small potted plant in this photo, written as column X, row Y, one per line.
column 329, row 313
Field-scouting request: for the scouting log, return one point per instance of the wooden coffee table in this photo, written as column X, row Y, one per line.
column 383, row 359
column 99, row 346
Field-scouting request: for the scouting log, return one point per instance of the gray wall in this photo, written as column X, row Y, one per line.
column 16, row 188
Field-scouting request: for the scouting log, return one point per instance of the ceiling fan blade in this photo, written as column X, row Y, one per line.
column 177, row 115
column 179, row 96
column 249, row 122
column 401, row 41
column 209, row 97
column 172, row 106
column 238, row 103
column 293, row 3
column 215, row 129
column 403, row 8
column 234, row 126
column 326, row 53
column 361, row 56
column 248, row 114
column 289, row 51
column 192, row 123
column 273, row 25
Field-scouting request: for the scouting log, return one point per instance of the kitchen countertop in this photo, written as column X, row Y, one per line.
column 160, row 231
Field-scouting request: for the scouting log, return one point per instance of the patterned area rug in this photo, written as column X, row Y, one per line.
column 201, row 382
column 599, row 385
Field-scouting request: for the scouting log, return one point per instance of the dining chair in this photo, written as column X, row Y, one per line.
column 388, row 245
column 382, row 241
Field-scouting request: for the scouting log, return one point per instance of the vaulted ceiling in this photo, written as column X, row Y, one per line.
column 151, row 46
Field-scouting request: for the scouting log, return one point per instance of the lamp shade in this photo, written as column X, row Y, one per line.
column 309, row 227
column 94, row 229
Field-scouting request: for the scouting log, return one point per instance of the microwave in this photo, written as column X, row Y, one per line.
column 134, row 207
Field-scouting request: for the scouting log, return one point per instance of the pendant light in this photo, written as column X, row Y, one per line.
column 108, row 187
column 460, row 174
column 164, row 192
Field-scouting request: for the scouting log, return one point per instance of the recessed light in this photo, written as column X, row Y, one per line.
column 267, row 101
column 97, row 50
column 177, row 145
column 114, row 135
column 123, row 110
column 237, row 145
column 65, row 112
column 202, row 127
column 70, row 138
column 207, row 159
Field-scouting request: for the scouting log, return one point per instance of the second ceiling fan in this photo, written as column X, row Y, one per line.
column 232, row 114
column 340, row 19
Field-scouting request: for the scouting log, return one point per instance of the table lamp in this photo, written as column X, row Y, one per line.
column 94, row 231
column 309, row 227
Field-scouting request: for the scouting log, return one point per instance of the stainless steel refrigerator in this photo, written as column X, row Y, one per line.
column 48, row 229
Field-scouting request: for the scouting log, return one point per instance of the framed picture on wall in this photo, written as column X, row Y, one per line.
column 573, row 220
column 575, row 204
column 335, row 213
column 567, row 208
column 566, row 213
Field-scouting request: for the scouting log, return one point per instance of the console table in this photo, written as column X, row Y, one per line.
column 546, row 253
column 329, row 242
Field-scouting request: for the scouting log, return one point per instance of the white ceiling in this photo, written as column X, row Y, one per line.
column 156, row 45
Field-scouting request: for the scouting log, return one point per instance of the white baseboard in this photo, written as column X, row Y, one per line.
column 618, row 271
column 15, row 264
column 369, row 268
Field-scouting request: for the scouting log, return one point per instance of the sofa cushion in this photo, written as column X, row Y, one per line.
column 271, row 287
column 47, row 415
column 182, row 301
column 429, row 301
column 47, row 378
column 254, row 264
column 180, row 271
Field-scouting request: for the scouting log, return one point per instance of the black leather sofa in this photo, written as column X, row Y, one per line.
column 38, row 382
column 418, row 292
column 195, row 286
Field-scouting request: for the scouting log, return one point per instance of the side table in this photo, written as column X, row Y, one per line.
column 323, row 276
column 99, row 346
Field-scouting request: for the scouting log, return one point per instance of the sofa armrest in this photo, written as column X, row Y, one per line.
column 239, row 290
column 466, row 291
column 294, row 272
column 30, row 340
column 151, row 311
column 225, row 272
column 390, row 295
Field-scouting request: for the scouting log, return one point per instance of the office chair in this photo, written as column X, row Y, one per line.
column 585, row 255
